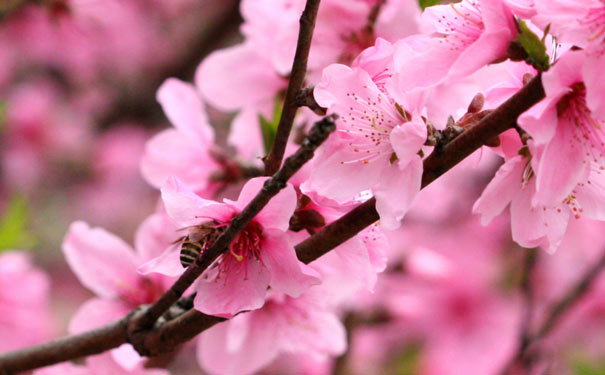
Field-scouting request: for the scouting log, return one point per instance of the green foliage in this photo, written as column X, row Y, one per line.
column 407, row 362
column 427, row 3
column 14, row 231
column 2, row 115
column 269, row 127
column 584, row 366
column 533, row 46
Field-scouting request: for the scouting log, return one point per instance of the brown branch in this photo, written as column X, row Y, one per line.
column 297, row 77
column 436, row 164
column 65, row 348
column 501, row 119
column 138, row 327
column 317, row 135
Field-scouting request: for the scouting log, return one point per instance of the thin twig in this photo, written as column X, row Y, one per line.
column 528, row 352
column 570, row 298
column 297, row 78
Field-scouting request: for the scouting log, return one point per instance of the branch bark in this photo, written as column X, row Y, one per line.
column 440, row 161
column 138, row 326
column 297, row 78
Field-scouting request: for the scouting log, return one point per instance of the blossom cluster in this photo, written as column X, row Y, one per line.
column 395, row 76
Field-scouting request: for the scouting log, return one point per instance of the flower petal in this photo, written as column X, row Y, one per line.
column 185, row 110
column 241, row 288
column 102, row 262
column 286, row 270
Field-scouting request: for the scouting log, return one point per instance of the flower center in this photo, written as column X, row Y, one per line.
column 369, row 122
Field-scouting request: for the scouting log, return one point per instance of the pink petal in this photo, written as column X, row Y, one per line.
column 359, row 176
column 235, row 77
column 63, row 369
column 408, row 139
column 257, row 351
column 561, row 167
column 187, row 209
column 354, row 259
column 171, row 153
column 396, row 192
column 591, row 195
column 501, row 189
column 154, row 235
column 279, row 257
column 185, row 110
column 594, row 79
column 168, row 263
column 276, row 214
column 242, row 288
column 102, row 262
column 97, row 312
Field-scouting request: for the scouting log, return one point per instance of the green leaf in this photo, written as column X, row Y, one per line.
column 427, row 3
column 269, row 127
column 533, row 46
column 2, row 115
column 14, row 231
column 407, row 362
column 584, row 366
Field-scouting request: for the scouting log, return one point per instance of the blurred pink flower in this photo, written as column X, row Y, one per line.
column 184, row 151
column 248, row 342
column 24, row 302
column 103, row 364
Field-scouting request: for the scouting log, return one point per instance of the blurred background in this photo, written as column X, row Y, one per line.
column 77, row 103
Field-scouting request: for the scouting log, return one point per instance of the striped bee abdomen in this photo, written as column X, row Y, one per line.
column 189, row 252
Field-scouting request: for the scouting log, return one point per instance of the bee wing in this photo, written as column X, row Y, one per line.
column 178, row 240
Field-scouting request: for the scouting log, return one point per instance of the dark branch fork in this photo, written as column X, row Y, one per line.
column 189, row 324
column 135, row 328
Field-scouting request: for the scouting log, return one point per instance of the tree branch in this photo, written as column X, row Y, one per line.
column 440, row 161
column 297, row 78
column 137, row 328
column 65, row 348
column 183, row 327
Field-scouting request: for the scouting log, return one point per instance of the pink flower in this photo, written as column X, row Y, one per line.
column 102, row 364
column 260, row 256
column 581, row 24
column 108, row 267
column 573, row 136
column 465, row 37
column 535, row 224
column 185, row 150
column 24, row 302
column 376, row 144
column 284, row 325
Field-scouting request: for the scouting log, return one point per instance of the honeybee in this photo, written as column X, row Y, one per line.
column 200, row 238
